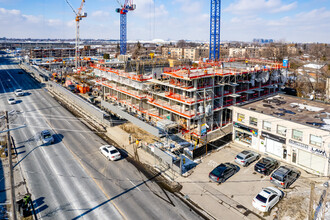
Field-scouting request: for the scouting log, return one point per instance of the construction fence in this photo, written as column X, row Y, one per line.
column 91, row 110
column 163, row 161
column 38, row 73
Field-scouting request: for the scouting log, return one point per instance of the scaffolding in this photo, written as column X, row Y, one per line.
column 187, row 95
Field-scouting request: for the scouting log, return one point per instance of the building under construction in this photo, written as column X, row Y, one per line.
column 198, row 98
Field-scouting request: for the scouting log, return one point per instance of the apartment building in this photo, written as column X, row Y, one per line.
column 250, row 52
column 237, row 52
column 189, row 53
column 61, row 52
column 287, row 128
column 197, row 99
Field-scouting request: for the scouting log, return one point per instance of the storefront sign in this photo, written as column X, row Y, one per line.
column 298, row 144
column 246, row 128
column 273, row 137
column 318, row 151
column 306, row 147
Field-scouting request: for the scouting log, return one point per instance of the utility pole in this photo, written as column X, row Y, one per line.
column 324, row 206
column 311, row 202
column 11, row 174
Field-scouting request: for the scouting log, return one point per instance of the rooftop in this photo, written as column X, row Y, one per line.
column 307, row 112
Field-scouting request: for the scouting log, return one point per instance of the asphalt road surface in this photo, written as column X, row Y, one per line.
column 70, row 179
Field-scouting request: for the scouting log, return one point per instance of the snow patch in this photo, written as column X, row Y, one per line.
column 307, row 107
column 313, row 66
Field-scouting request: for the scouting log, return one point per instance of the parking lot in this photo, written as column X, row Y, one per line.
column 239, row 190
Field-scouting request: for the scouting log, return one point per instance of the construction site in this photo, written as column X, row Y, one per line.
column 196, row 100
column 190, row 99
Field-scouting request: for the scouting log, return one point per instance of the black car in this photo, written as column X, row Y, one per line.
column 284, row 176
column 222, row 172
column 266, row 165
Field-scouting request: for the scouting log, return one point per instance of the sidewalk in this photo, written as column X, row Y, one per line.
column 121, row 137
column 20, row 184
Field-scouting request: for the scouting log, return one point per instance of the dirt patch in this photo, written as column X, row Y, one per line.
column 138, row 133
column 292, row 208
column 3, row 144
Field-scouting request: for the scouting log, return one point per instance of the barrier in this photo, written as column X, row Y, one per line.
column 143, row 125
column 74, row 99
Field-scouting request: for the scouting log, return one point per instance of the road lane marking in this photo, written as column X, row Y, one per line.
column 134, row 185
column 47, row 122
column 101, row 188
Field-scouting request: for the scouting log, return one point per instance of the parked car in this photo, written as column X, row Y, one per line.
column 19, row 92
column 222, row 172
column 46, row 137
column 284, row 176
column 110, row 152
column 267, row 199
column 266, row 165
column 246, row 157
column 11, row 101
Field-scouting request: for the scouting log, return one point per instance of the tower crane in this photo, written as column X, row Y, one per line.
column 79, row 16
column 123, row 10
column 215, row 30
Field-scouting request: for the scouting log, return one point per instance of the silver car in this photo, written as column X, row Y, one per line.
column 46, row 137
column 246, row 157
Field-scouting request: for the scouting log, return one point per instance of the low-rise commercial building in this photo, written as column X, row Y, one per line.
column 287, row 128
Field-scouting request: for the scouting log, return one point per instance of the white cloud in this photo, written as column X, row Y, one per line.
column 100, row 13
column 310, row 26
column 248, row 6
column 148, row 9
column 285, row 7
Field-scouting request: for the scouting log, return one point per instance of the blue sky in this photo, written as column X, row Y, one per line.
column 242, row 20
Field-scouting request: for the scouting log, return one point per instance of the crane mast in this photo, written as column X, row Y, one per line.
column 79, row 16
column 215, row 30
column 123, row 10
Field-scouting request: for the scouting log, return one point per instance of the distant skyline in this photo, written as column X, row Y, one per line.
column 242, row 20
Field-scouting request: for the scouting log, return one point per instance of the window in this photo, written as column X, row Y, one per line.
column 315, row 140
column 281, row 130
column 297, row 135
column 253, row 121
column 240, row 117
column 267, row 126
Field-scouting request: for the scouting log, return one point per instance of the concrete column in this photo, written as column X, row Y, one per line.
column 220, row 117
column 222, row 92
column 188, row 123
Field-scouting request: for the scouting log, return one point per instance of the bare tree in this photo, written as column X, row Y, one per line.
column 181, row 43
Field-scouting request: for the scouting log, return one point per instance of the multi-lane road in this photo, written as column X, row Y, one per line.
column 70, row 179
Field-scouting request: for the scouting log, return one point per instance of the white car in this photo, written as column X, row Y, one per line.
column 19, row 92
column 46, row 137
column 11, row 101
column 110, row 152
column 267, row 199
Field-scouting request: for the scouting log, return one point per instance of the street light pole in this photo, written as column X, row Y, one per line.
column 11, row 173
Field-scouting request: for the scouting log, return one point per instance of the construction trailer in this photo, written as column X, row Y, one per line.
column 198, row 99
